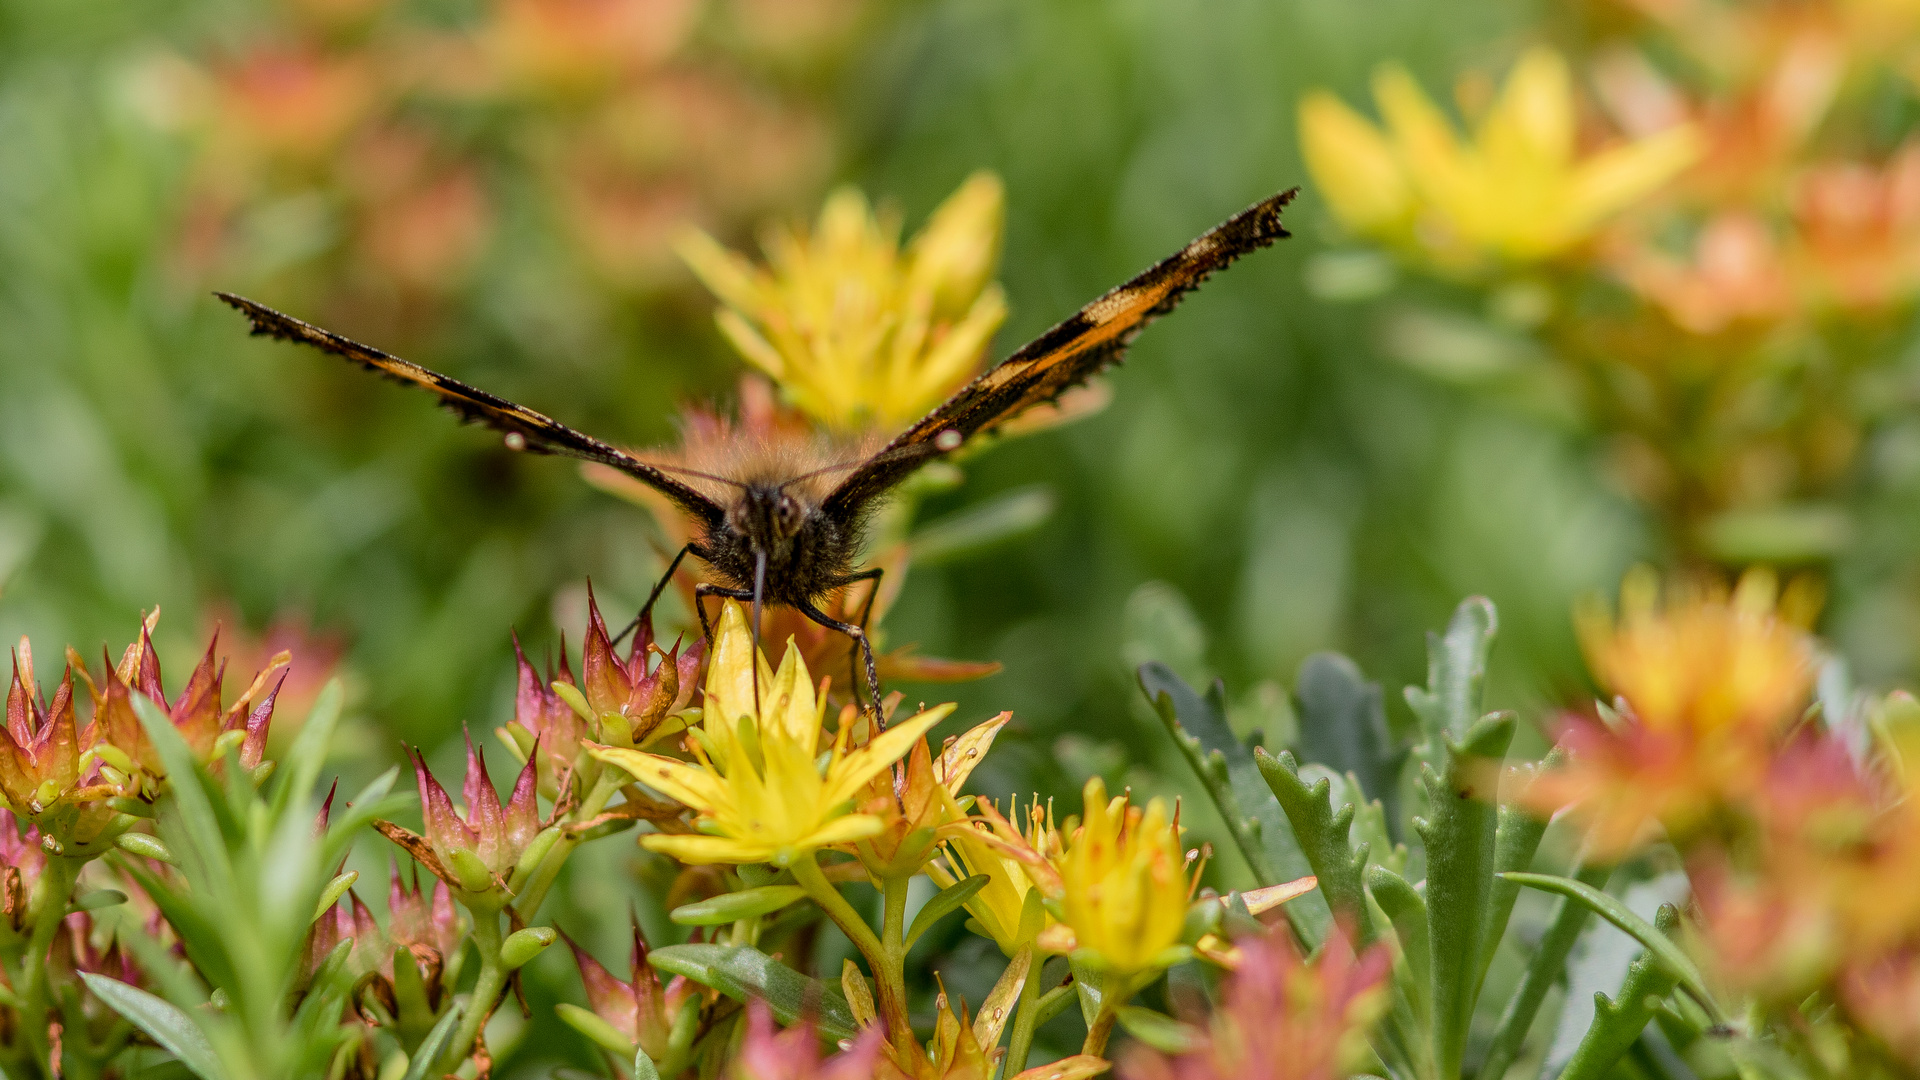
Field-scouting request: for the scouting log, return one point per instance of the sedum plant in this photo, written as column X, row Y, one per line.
column 1415, row 908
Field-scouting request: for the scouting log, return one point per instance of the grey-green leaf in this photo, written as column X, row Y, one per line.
column 1343, row 725
column 1226, row 767
column 1456, row 668
column 1324, row 836
column 162, row 1021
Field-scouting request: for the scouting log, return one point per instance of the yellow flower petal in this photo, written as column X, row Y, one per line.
column 1531, row 124
column 1353, row 166
column 846, row 776
column 1621, row 176
column 844, row 830
column 703, row 850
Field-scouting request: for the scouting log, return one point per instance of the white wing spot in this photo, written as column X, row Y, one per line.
column 1104, row 309
column 948, row 440
column 516, row 441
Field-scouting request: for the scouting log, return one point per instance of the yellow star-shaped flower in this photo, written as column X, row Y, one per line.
column 861, row 333
column 757, row 783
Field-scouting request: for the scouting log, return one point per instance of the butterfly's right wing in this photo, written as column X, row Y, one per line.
column 537, row 433
column 1093, row 338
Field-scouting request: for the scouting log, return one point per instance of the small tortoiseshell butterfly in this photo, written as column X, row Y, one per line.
column 771, row 527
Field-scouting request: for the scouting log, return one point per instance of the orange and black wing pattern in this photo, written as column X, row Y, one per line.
column 526, row 429
column 1094, row 338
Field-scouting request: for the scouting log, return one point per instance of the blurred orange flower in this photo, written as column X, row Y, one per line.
column 1705, row 683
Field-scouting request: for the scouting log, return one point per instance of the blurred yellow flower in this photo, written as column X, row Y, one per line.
column 1124, row 885
column 859, row 333
column 1518, row 191
column 756, row 783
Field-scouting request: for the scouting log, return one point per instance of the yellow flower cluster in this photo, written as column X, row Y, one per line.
column 1124, row 885
column 1518, row 191
column 756, row 783
column 860, row 333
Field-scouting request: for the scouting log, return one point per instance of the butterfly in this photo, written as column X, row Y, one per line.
column 770, row 525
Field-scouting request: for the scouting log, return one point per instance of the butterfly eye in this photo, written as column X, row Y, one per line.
column 787, row 514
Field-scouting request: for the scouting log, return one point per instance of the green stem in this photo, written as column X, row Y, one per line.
column 1025, row 1021
column 893, row 982
column 534, row 892
column 486, row 989
column 886, row 970
column 46, row 910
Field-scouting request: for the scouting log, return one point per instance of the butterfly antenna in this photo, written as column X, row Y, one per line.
column 822, row 471
column 684, row 471
column 759, row 587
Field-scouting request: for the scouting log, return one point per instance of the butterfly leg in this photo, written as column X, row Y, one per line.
column 874, row 575
column 646, row 609
column 700, row 594
column 859, row 636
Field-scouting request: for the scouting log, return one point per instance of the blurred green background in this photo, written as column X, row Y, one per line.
column 1292, row 488
column 1268, row 481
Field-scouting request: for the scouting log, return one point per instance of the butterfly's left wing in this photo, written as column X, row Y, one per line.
column 525, row 429
column 1064, row 356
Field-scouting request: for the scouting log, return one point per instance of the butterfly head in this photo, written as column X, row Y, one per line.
column 769, row 513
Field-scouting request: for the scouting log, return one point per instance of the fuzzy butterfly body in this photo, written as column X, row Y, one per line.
column 776, row 529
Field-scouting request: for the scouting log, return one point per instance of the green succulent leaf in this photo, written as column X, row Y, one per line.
column 1544, row 969
column 1406, row 909
column 1517, row 837
column 1658, row 945
column 744, row 973
column 593, row 1027
column 522, row 946
column 1158, row 1030
column 434, row 1046
column 1460, row 838
column 1617, row 1023
column 1324, row 836
column 145, row 846
column 943, row 903
column 734, row 906
column 161, row 1021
